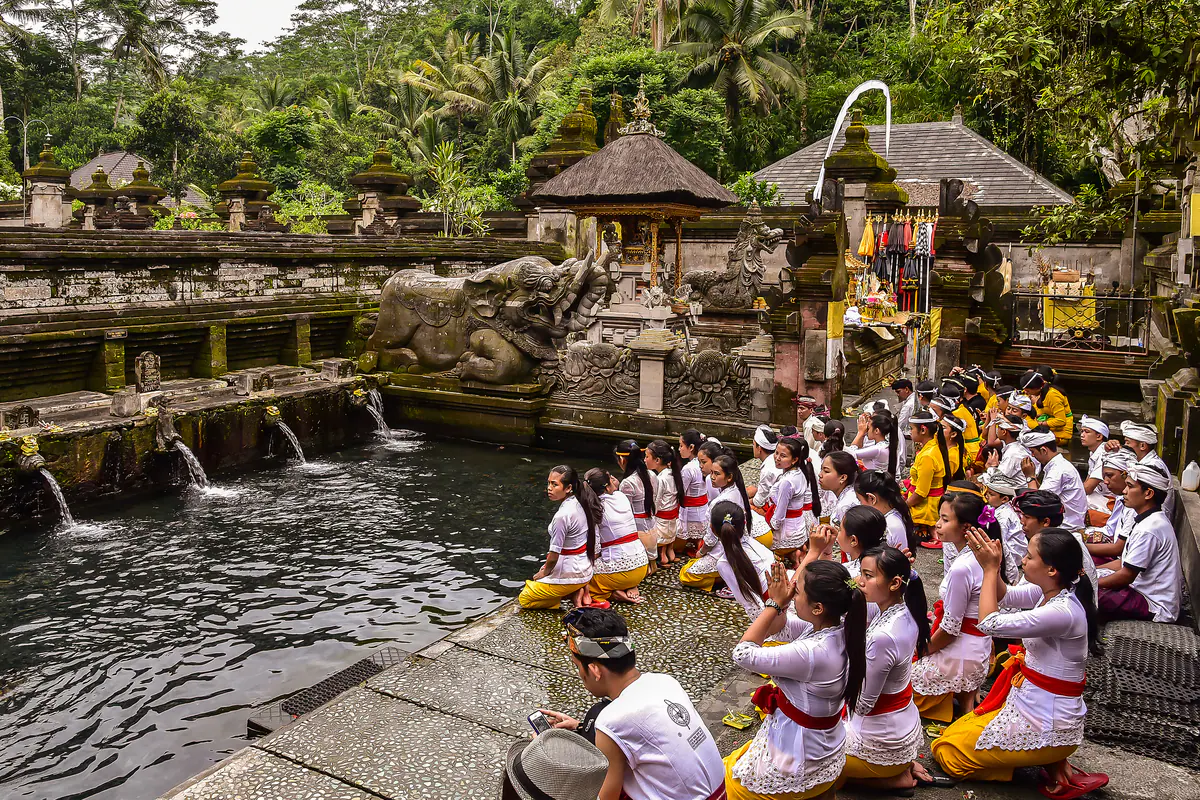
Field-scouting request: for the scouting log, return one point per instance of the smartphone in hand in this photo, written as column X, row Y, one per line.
column 539, row 722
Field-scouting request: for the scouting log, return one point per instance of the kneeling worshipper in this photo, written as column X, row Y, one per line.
column 797, row 753
column 662, row 459
column 1093, row 433
column 999, row 490
column 959, row 652
column 883, row 734
column 1056, row 475
column 933, row 467
column 1141, row 439
column 693, row 513
column 795, row 501
column 862, row 528
column 657, row 745
column 701, row 572
column 1108, row 542
column 1040, row 510
column 1034, row 714
column 1146, row 582
column 623, row 561
column 880, row 491
column 568, row 566
column 742, row 562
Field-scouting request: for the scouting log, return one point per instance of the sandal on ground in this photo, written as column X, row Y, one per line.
column 601, row 604
column 933, row 544
column 725, row 593
column 1081, row 783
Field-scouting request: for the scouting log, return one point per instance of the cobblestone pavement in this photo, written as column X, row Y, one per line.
column 438, row 726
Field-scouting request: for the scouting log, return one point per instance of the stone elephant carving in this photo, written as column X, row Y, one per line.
column 493, row 326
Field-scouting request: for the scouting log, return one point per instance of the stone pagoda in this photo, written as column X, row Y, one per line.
column 245, row 197
column 48, row 184
column 382, row 199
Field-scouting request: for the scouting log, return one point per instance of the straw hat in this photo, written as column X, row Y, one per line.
column 556, row 765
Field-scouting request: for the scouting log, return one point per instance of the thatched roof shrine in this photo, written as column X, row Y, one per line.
column 637, row 170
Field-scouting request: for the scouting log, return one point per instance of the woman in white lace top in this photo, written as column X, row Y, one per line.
column 959, row 652
column 798, row 751
column 1035, row 712
column 884, row 733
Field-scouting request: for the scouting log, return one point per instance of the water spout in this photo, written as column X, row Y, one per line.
column 291, row 437
column 195, row 469
column 64, row 510
column 375, row 406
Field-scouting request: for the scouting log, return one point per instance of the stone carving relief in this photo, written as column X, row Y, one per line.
column 739, row 284
column 497, row 325
column 708, row 382
column 599, row 374
column 147, row 369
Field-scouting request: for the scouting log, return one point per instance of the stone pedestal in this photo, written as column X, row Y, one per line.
column 210, row 359
column 108, row 370
column 652, row 348
column 622, row 323
column 1173, row 396
column 48, row 185
column 297, row 351
column 382, row 197
column 759, row 355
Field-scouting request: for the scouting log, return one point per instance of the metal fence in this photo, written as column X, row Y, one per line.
column 1100, row 322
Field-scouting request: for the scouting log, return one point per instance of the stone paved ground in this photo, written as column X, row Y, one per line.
column 438, row 727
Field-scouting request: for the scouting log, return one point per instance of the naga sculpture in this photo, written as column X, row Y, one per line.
column 494, row 326
column 739, row 283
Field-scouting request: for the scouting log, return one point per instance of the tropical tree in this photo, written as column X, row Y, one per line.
column 273, row 94
column 136, row 35
column 11, row 13
column 446, row 76
column 733, row 42
column 508, row 84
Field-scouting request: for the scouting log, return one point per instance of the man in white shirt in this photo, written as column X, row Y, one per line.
column 908, row 404
column 1116, row 530
column 1146, row 582
column 657, row 746
column 1093, row 433
column 1141, row 439
column 1057, row 475
column 1012, row 453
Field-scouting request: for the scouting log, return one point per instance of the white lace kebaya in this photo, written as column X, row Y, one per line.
column 1056, row 645
column 962, row 665
column 891, row 738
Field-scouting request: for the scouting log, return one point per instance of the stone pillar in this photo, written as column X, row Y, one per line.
column 1173, row 394
column 652, row 348
column 108, row 370
column 298, row 350
column 237, row 213
column 759, row 355
column 47, row 187
column 559, row 225
column 211, row 361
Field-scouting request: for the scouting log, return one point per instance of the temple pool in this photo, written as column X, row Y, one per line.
column 134, row 646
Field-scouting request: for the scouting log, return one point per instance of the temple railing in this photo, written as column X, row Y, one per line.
column 1087, row 322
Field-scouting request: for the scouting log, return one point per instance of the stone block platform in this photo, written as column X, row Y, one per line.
column 438, row 726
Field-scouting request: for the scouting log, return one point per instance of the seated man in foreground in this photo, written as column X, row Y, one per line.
column 657, row 746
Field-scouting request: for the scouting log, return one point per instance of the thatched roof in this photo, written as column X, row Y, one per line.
column 636, row 169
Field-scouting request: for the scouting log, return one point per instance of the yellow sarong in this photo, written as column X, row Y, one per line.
column 603, row 585
column 704, row 582
column 956, row 754
column 858, row 770
column 937, row 707
column 546, row 595
column 735, row 791
column 767, row 539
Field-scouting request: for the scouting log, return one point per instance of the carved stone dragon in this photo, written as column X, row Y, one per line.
column 739, row 283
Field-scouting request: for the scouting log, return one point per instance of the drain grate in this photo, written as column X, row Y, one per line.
column 273, row 717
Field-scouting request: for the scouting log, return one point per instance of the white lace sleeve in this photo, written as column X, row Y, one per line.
column 1045, row 622
column 955, row 601
column 1022, row 595
column 879, row 665
column 793, row 660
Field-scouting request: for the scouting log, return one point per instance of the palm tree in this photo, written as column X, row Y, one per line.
column 446, row 76
column 732, row 41
column 137, row 33
column 664, row 19
column 274, row 93
column 510, row 82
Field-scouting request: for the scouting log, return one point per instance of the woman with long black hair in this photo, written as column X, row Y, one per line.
column 878, row 442
column 881, row 492
column 883, row 734
column 568, row 566
column 663, row 459
column 641, row 487
column 1037, row 720
column 795, row 501
column 693, row 514
column 623, row 560
column 953, row 427
column 741, row 561
column 701, row 572
column 821, row 615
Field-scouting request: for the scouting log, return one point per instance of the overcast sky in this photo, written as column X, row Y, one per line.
column 256, row 21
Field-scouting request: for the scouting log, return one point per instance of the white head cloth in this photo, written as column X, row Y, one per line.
column 1032, row 439
column 761, row 440
column 954, row 422
column 814, row 424
column 1003, row 422
column 944, row 403
column 1120, row 460
column 1021, row 401
column 1000, row 483
column 1094, row 424
column 1138, row 432
column 1152, row 475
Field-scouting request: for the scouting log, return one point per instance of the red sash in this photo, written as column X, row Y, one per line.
column 970, row 625
column 690, row 501
column 643, row 515
column 770, row 508
column 887, row 703
column 578, row 551
column 719, row 794
column 1017, row 672
column 670, row 513
column 626, row 539
column 907, row 484
column 770, row 697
